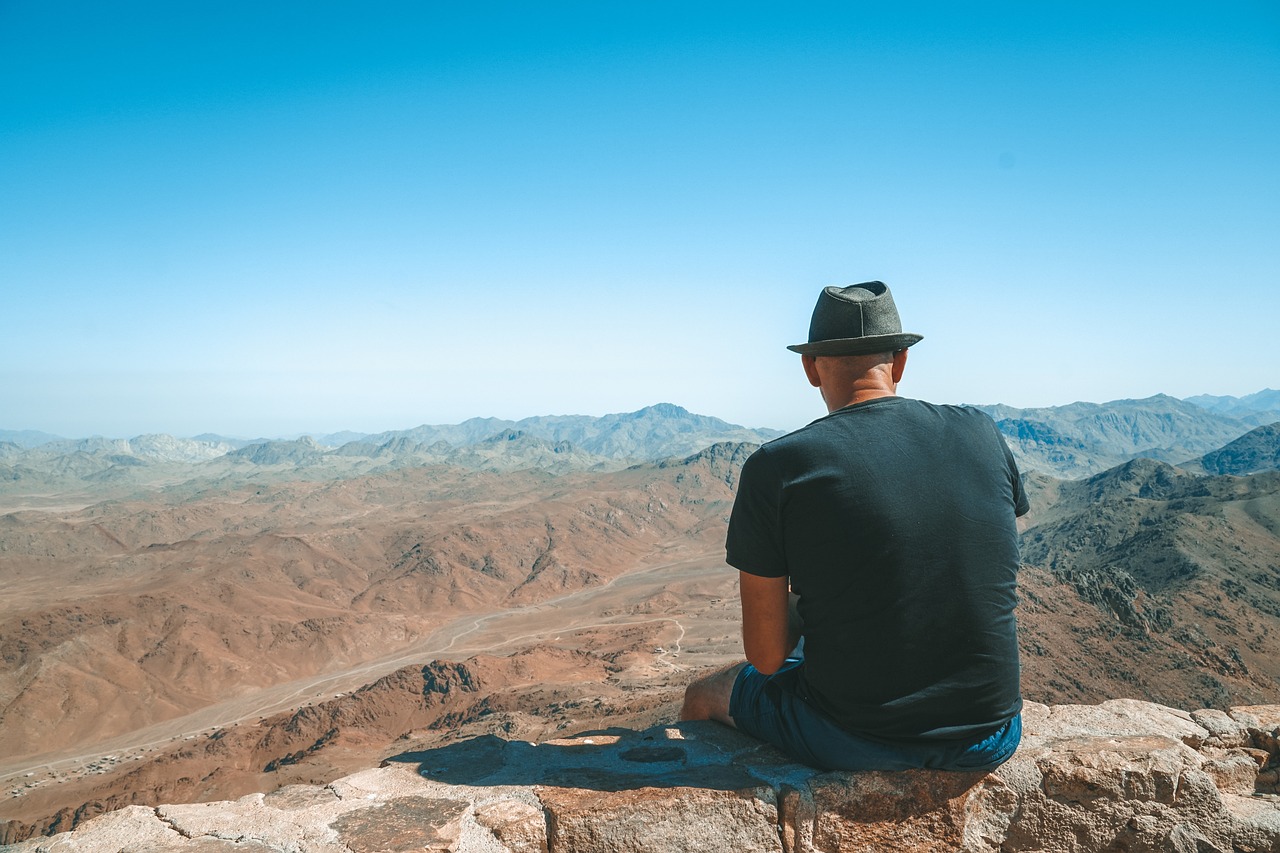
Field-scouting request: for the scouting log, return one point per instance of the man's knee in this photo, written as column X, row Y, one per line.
column 698, row 703
column 708, row 697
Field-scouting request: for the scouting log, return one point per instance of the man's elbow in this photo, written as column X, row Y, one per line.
column 766, row 661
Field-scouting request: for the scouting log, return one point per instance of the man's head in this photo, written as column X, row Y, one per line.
column 856, row 349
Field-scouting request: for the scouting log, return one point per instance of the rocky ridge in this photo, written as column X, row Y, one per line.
column 1256, row 450
column 1123, row 775
column 1152, row 582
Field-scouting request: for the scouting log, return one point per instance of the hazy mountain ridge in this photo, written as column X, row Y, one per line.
column 559, row 443
column 155, row 448
column 654, row 432
column 27, row 438
column 1257, row 409
column 1075, row 440
column 302, row 451
column 1082, row 439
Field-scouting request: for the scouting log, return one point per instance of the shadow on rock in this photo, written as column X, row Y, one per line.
column 687, row 755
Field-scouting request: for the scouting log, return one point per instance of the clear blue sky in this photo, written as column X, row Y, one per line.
column 273, row 218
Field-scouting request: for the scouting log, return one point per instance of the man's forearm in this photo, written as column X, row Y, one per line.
column 766, row 621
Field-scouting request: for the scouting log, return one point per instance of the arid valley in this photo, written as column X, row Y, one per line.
column 189, row 620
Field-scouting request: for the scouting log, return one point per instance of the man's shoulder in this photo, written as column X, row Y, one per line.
column 950, row 412
column 872, row 415
column 904, row 417
column 960, row 411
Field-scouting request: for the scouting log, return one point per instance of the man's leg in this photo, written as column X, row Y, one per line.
column 708, row 697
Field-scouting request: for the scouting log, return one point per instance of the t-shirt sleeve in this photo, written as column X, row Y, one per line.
column 754, row 542
column 1021, row 506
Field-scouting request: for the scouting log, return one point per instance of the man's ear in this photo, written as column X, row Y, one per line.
column 899, row 365
column 811, row 370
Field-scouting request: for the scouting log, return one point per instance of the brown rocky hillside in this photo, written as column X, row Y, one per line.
column 1151, row 582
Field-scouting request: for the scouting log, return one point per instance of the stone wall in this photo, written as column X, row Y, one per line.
column 1122, row 776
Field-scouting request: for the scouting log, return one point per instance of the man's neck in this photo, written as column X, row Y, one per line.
column 858, row 396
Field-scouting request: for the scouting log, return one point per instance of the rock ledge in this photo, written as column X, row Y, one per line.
column 1123, row 775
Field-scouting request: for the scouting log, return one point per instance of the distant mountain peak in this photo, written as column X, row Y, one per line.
column 665, row 410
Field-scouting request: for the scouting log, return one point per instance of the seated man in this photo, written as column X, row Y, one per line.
column 884, row 534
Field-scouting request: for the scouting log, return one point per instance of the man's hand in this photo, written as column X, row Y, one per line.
column 770, row 626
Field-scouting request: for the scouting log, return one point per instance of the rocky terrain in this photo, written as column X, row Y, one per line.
column 129, row 613
column 280, row 615
column 146, row 624
column 1151, row 582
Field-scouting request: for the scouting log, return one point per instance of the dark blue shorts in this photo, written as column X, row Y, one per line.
column 767, row 707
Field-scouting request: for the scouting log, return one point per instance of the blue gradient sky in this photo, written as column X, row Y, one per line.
column 272, row 218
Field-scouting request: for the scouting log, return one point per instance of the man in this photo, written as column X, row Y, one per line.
column 882, row 537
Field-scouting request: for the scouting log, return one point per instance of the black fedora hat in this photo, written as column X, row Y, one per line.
column 855, row 320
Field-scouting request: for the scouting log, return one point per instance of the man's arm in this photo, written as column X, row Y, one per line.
column 770, row 624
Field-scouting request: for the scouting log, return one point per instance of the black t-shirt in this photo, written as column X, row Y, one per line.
column 894, row 520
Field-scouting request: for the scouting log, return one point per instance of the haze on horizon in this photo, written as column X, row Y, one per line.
column 267, row 219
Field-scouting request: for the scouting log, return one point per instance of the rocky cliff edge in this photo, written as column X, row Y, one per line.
column 1121, row 776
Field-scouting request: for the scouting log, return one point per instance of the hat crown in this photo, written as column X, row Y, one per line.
column 860, row 318
column 856, row 311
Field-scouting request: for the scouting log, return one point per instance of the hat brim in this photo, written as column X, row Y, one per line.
column 858, row 346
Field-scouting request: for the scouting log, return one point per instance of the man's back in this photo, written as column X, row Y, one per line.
column 894, row 519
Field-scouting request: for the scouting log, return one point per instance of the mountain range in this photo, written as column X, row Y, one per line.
column 1075, row 440
column 552, row 443
column 663, row 429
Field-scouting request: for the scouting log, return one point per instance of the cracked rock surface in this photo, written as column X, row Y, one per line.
column 1124, row 775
